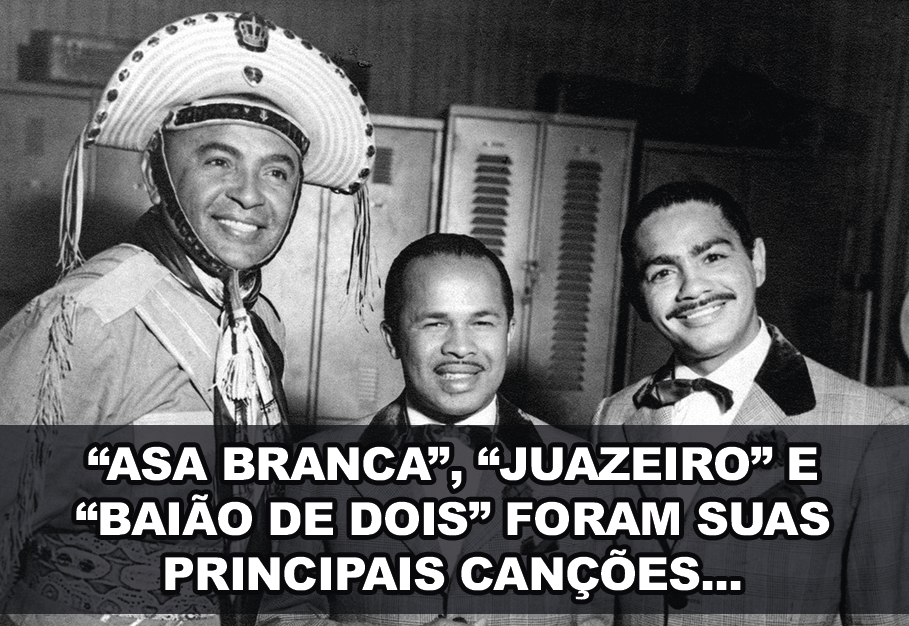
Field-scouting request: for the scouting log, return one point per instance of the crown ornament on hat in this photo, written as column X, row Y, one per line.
column 233, row 55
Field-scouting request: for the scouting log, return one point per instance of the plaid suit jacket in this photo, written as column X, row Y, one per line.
column 860, row 572
column 416, row 609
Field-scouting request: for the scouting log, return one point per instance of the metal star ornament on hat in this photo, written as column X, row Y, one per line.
column 232, row 55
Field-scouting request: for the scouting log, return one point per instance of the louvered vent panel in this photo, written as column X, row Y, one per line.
column 574, row 274
column 381, row 169
column 492, row 180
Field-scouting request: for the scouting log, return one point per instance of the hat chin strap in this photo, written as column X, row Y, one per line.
column 183, row 232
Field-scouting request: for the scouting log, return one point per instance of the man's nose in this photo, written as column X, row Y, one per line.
column 246, row 190
column 693, row 284
column 459, row 341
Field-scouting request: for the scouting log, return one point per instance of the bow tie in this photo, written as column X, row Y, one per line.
column 655, row 395
column 472, row 436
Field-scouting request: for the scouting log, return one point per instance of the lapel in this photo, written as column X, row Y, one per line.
column 782, row 390
column 512, row 429
column 648, row 425
column 786, row 382
column 388, row 428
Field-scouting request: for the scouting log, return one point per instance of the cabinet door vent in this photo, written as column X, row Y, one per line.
column 492, row 179
column 381, row 169
column 574, row 274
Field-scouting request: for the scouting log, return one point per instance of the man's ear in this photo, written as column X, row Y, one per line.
column 509, row 336
column 759, row 262
column 388, row 334
column 150, row 187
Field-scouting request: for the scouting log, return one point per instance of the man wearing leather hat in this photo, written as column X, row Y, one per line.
column 233, row 114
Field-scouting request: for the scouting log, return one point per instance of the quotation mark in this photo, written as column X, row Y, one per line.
column 98, row 455
column 438, row 454
column 489, row 456
column 480, row 509
column 85, row 511
column 762, row 455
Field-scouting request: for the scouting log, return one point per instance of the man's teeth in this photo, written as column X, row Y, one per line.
column 704, row 311
column 241, row 226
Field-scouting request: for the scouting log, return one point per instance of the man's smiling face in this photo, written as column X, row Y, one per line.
column 698, row 282
column 452, row 336
column 236, row 184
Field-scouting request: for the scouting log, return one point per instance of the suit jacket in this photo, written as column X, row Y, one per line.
column 514, row 428
column 861, row 568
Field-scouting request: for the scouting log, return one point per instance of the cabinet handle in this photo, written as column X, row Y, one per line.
column 532, row 274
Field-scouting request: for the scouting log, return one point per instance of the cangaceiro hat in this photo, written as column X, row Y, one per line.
column 228, row 54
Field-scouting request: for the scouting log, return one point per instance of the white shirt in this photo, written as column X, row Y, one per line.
column 487, row 416
column 701, row 408
column 463, row 457
column 737, row 374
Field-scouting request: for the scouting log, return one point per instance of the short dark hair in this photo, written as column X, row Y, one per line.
column 664, row 197
column 439, row 244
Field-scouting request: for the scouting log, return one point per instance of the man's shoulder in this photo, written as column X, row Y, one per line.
column 105, row 286
column 616, row 409
column 109, row 283
column 846, row 401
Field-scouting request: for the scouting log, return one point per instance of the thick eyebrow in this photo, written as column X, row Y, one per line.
column 441, row 315
column 662, row 259
column 696, row 250
column 218, row 146
column 704, row 247
column 485, row 313
column 283, row 158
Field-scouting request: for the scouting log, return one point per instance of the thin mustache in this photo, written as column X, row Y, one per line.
column 682, row 309
column 471, row 363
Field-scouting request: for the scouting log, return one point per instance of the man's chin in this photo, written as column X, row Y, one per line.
column 240, row 263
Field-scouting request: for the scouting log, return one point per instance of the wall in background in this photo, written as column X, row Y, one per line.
column 427, row 54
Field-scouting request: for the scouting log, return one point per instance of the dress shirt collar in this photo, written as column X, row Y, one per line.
column 487, row 416
column 738, row 373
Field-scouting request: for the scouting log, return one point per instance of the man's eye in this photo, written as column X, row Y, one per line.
column 658, row 275
column 217, row 162
column 713, row 257
column 279, row 174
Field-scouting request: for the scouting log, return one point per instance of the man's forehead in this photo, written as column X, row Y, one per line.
column 238, row 136
column 429, row 275
column 683, row 228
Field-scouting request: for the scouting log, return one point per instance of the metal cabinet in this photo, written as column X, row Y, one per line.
column 548, row 194
column 338, row 368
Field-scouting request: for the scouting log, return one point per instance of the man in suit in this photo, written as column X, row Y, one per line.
column 449, row 319
column 692, row 268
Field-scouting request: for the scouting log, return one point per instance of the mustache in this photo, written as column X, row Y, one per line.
column 684, row 308
column 458, row 363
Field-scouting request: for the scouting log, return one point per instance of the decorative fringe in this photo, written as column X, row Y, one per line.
column 48, row 415
column 361, row 256
column 242, row 374
column 71, row 207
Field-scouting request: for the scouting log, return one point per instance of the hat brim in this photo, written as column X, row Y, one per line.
column 200, row 57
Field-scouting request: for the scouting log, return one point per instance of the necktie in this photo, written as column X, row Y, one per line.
column 655, row 395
